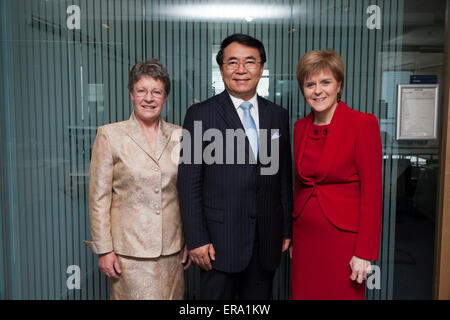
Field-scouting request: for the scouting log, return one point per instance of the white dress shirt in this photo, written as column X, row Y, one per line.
column 253, row 110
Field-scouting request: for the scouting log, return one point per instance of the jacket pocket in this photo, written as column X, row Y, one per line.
column 214, row 214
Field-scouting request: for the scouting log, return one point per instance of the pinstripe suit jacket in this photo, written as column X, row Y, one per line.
column 223, row 204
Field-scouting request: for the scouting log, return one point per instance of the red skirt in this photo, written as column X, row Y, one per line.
column 321, row 255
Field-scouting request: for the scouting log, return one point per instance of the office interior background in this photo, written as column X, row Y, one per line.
column 64, row 72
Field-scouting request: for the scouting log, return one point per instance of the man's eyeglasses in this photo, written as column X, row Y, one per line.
column 142, row 92
column 233, row 65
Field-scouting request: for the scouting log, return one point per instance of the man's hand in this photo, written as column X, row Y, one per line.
column 360, row 269
column 109, row 265
column 186, row 259
column 286, row 243
column 203, row 255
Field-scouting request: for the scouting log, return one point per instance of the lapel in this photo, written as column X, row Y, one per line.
column 264, row 118
column 163, row 138
column 264, row 115
column 228, row 112
column 303, row 134
column 332, row 143
column 135, row 132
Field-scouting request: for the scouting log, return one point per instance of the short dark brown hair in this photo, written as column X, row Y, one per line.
column 151, row 68
column 320, row 60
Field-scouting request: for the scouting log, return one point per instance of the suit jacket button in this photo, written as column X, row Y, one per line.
column 156, row 190
column 158, row 212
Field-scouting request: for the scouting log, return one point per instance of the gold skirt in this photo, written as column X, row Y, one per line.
column 159, row 278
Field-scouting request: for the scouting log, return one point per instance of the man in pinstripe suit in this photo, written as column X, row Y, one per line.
column 236, row 215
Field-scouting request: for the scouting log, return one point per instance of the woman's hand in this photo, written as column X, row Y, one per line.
column 109, row 265
column 186, row 260
column 360, row 269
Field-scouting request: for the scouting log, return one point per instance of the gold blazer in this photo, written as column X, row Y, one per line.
column 133, row 197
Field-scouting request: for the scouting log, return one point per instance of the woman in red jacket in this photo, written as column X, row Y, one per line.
column 337, row 201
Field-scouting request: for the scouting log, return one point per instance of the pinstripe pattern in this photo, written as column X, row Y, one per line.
column 222, row 203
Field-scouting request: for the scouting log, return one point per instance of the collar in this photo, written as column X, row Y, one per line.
column 237, row 101
column 134, row 130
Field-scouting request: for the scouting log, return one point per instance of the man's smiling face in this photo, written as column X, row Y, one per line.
column 242, row 81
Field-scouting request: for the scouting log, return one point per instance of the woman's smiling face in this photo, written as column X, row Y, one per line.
column 149, row 97
column 321, row 91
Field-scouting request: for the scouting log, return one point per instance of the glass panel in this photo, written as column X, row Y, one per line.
column 422, row 61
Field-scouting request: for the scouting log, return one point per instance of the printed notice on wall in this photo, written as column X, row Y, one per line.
column 417, row 112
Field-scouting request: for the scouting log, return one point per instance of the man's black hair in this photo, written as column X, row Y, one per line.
column 245, row 40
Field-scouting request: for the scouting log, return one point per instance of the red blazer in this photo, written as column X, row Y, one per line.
column 348, row 176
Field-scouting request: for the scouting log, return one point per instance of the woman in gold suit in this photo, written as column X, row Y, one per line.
column 134, row 213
